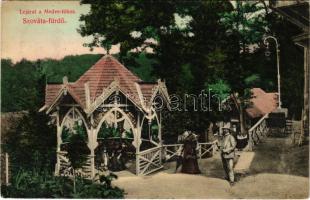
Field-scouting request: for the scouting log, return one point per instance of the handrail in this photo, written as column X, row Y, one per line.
column 179, row 144
column 199, row 148
column 261, row 128
column 172, row 145
column 258, row 123
column 148, row 150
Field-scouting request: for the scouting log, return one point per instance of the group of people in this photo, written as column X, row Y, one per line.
column 227, row 145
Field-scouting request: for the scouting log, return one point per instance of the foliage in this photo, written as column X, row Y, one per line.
column 141, row 65
column 77, row 151
column 102, row 190
column 247, row 21
column 108, row 132
column 129, row 134
column 33, row 75
column 42, row 184
column 71, row 66
column 77, row 129
column 65, row 135
column 220, row 88
column 189, row 44
column 32, row 143
column 31, row 184
column 14, row 97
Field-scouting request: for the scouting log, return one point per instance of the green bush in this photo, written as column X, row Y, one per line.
column 31, row 184
column 103, row 189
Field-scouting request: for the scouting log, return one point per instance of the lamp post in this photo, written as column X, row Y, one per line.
column 278, row 64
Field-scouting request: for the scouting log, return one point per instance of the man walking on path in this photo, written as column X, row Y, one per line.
column 227, row 145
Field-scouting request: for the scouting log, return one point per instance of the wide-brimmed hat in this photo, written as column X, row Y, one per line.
column 227, row 127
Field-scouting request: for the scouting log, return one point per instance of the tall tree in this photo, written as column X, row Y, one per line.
column 247, row 23
column 185, row 37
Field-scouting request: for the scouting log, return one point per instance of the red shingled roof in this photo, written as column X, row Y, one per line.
column 99, row 77
column 105, row 71
column 51, row 92
column 262, row 103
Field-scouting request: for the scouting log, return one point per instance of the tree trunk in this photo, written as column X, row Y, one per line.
column 242, row 121
column 74, row 187
column 240, row 109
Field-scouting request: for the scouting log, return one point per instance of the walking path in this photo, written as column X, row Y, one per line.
column 277, row 170
column 244, row 162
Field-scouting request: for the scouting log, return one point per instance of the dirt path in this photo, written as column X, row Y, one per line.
column 164, row 185
column 277, row 171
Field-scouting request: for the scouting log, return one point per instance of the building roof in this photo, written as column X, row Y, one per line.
column 296, row 11
column 106, row 70
column 262, row 103
column 99, row 78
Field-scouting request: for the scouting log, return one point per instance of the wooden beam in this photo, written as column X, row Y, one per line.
column 87, row 95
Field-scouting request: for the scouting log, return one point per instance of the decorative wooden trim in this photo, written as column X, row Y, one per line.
column 62, row 92
column 107, row 92
column 74, row 109
column 124, row 116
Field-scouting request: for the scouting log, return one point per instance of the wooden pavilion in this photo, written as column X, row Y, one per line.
column 107, row 96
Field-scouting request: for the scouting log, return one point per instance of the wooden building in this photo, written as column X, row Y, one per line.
column 297, row 12
column 107, row 96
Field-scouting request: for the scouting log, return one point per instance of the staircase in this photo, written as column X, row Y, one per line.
column 257, row 132
column 288, row 127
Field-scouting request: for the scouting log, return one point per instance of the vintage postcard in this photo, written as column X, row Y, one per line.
column 145, row 99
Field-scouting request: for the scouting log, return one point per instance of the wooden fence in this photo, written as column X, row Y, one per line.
column 149, row 161
column 5, row 169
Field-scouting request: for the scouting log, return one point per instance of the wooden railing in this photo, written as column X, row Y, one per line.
column 149, row 161
column 207, row 147
column 171, row 150
column 258, row 131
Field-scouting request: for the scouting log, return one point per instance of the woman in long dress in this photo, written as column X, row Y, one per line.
column 190, row 160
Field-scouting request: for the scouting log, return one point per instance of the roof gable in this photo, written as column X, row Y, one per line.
column 105, row 76
column 104, row 72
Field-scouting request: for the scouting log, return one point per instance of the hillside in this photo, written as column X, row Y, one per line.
column 23, row 83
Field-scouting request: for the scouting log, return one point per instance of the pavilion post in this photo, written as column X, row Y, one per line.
column 92, row 146
column 92, row 163
column 160, row 135
column 159, row 130
column 92, row 154
column 138, row 135
column 57, row 167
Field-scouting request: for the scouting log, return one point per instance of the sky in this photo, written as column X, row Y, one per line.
column 39, row 41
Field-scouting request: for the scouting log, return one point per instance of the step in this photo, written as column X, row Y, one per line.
column 244, row 162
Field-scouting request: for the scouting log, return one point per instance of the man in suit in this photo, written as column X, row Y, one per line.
column 227, row 145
